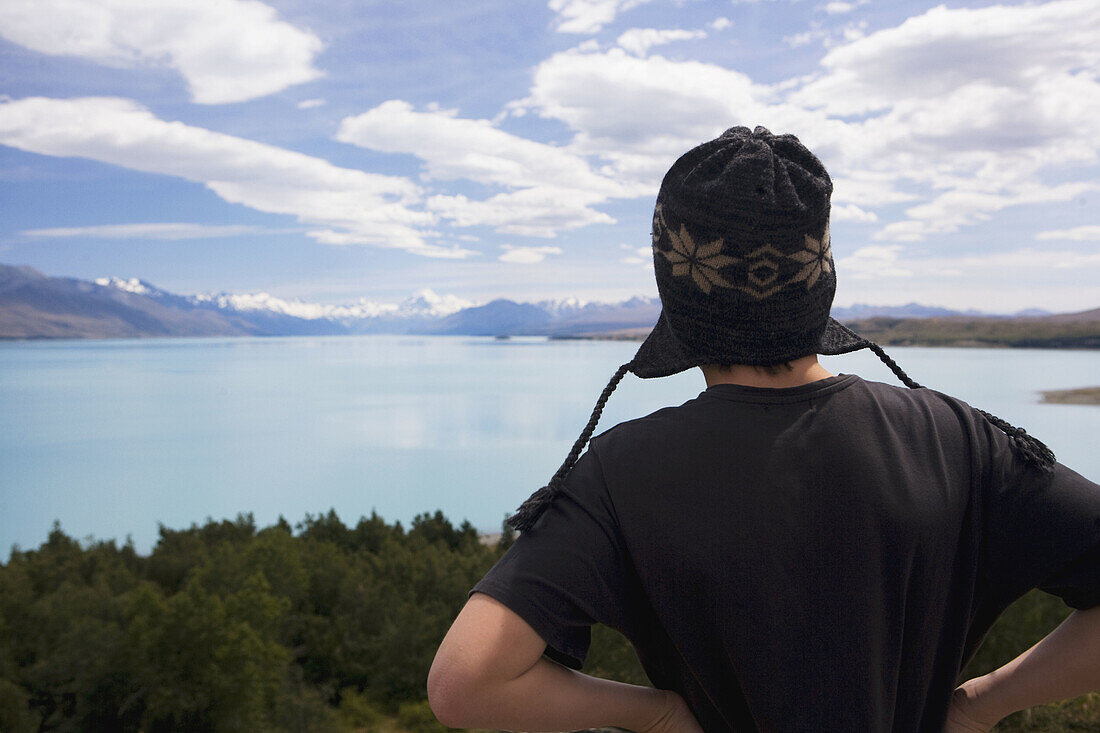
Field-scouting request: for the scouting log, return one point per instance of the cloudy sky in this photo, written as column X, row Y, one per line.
column 338, row 149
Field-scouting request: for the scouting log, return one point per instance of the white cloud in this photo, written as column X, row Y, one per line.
column 995, row 281
column 968, row 110
column 852, row 32
column 526, row 255
column 227, row 50
column 638, row 41
column 838, row 8
column 154, row 230
column 639, row 113
column 959, row 113
column 801, row 39
column 828, row 36
column 613, row 97
column 531, row 212
column 549, row 188
column 871, row 262
column 1004, row 295
column 639, row 256
column 349, row 206
column 720, row 24
column 867, row 188
column 851, row 212
column 970, row 203
column 932, row 55
column 956, row 147
column 453, row 147
column 367, row 235
column 589, row 16
column 875, row 261
column 1028, row 261
column 1089, row 233
column 311, row 103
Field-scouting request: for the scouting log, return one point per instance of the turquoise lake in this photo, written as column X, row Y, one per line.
column 113, row 437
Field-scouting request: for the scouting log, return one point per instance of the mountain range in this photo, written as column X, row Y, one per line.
column 34, row 305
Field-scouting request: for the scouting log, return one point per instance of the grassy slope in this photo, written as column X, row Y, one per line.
column 1073, row 331
column 1011, row 332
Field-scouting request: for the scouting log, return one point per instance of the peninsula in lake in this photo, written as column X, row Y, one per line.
column 1082, row 396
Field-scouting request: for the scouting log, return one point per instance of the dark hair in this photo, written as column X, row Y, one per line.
column 770, row 369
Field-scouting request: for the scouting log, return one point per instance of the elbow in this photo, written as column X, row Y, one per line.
column 451, row 696
column 443, row 702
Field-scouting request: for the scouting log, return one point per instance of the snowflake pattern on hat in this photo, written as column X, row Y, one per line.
column 818, row 259
column 701, row 261
column 761, row 267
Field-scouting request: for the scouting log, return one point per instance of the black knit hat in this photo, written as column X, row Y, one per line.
column 744, row 268
column 742, row 257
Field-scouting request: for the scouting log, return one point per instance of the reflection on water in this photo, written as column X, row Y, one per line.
column 112, row 437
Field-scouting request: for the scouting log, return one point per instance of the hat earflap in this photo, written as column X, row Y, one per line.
column 1030, row 448
column 536, row 504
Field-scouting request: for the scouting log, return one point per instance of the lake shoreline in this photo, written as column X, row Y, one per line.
column 1087, row 340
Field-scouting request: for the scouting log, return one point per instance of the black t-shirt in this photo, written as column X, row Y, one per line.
column 824, row 557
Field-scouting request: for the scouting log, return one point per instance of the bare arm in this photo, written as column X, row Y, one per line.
column 489, row 672
column 1065, row 664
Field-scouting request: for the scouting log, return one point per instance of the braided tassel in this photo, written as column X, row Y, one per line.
column 898, row 371
column 536, row 504
column 1030, row 448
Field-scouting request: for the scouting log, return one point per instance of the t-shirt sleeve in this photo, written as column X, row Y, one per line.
column 569, row 570
column 1042, row 528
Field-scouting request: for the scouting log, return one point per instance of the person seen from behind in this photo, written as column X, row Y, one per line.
column 792, row 550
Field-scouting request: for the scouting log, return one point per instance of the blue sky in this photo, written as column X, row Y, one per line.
column 338, row 150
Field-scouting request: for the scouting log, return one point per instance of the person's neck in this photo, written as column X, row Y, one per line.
column 802, row 371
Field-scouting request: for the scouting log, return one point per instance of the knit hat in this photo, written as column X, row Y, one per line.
column 744, row 268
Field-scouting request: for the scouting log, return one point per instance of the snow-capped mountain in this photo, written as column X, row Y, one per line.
column 560, row 307
column 251, row 302
column 425, row 302
column 33, row 305
column 424, row 311
column 133, row 285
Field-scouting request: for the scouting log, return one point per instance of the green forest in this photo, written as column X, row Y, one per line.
column 317, row 627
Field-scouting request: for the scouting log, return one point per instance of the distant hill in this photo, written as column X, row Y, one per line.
column 33, row 305
column 495, row 318
column 607, row 317
column 1062, row 331
column 909, row 310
